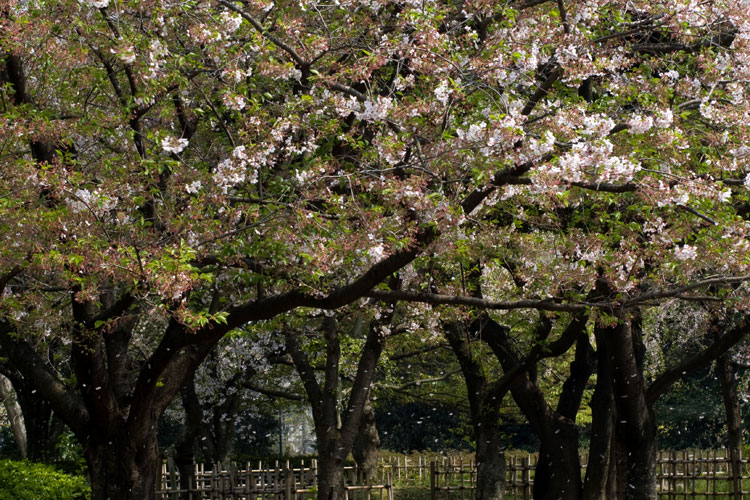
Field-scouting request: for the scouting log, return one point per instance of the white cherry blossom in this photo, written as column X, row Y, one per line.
column 174, row 145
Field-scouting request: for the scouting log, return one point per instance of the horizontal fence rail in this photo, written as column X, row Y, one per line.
column 680, row 475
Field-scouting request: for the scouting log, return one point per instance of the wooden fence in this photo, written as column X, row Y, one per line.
column 415, row 471
column 458, row 477
column 703, row 474
column 244, row 482
column 680, row 475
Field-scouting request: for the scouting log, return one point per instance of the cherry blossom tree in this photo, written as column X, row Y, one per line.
column 173, row 171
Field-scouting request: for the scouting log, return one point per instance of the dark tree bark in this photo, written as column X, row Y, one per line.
column 566, row 438
column 115, row 424
column 218, row 436
column 116, row 402
column 335, row 440
column 184, row 447
column 728, row 384
column 367, row 443
column 41, row 429
column 484, row 402
column 122, row 468
column 558, row 474
column 600, row 480
column 636, row 428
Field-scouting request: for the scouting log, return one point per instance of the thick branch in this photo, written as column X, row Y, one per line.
column 471, row 368
column 152, row 375
column 606, row 187
column 64, row 402
column 88, row 360
column 551, row 304
column 702, row 358
column 306, row 372
column 5, row 278
column 417, row 383
column 272, row 306
column 330, row 396
column 456, row 300
column 542, row 91
column 361, row 388
column 404, row 355
column 677, row 291
column 496, row 337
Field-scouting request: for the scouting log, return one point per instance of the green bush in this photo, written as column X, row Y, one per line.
column 30, row 481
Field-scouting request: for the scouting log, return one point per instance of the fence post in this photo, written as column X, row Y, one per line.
column 232, row 478
column 741, row 470
column 288, row 480
column 193, row 481
column 216, row 482
column 433, row 471
column 526, row 477
column 174, row 485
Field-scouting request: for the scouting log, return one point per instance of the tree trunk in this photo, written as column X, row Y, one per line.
column 330, row 476
column 224, row 428
column 122, row 469
column 184, row 447
column 558, row 474
column 184, row 459
column 490, row 459
column 37, row 416
column 484, row 405
column 559, row 467
column 558, row 456
column 15, row 415
column 335, row 441
column 599, row 483
column 637, row 461
column 636, row 428
column 366, row 444
column 612, row 474
column 728, row 381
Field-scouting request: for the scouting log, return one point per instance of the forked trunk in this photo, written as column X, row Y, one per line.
column 484, row 404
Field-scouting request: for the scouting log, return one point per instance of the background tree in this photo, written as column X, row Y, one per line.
column 337, row 424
